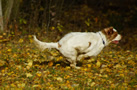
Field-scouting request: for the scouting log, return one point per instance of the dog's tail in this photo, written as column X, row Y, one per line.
column 44, row 45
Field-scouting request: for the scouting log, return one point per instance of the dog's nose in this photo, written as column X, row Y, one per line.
column 121, row 36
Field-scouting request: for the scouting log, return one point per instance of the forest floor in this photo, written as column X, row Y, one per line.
column 23, row 66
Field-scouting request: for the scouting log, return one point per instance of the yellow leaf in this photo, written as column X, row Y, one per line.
column 19, row 66
column 60, row 58
column 66, row 77
column 21, row 40
column 2, row 63
column 54, row 54
column 84, row 69
column 68, row 67
column 113, row 85
column 31, row 41
column 50, row 64
column 39, row 74
column 117, row 66
column 1, row 37
column 105, row 76
column 30, row 36
column 29, row 75
column 9, row 50
column 14, row 55
column 67, row 82
column 3, row 71
column 52, row 28
column 59, row 79
column 57, row 65
column 21, row 85
column 13, row 85
column 30, row 63
column 92, row 84
column 89, row 65
column 98, row 64
column 107, row 69
column 4, row 34
column 122, row 75
column 102, row 70
column 36, row 86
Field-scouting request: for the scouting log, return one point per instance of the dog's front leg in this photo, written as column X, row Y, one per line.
column 73, row 64
column 81, row 57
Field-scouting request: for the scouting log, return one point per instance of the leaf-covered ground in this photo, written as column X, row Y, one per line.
column 23, row 66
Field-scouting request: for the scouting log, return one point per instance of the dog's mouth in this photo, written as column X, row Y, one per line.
column 115, row 41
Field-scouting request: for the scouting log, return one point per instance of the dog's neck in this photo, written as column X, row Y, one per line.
column 103, row 37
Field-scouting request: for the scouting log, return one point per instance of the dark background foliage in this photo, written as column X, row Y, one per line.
column 63, row 16
column 23, row 66
column 54, row 18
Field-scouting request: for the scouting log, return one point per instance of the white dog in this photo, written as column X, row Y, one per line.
column 77, row 45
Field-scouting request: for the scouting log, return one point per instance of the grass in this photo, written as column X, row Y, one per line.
column 27, row 68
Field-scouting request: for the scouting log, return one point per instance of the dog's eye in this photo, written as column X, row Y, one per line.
column 110, row 32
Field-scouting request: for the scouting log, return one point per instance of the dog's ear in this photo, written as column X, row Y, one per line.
column 109, row 31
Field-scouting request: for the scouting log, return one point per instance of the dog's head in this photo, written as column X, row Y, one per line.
column 111, row 35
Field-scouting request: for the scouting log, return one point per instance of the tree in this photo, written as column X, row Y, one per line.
column 1, row 17
column 7, row 13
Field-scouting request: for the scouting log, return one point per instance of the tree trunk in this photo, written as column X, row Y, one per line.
column 1, row 17
column 8, row 13
column 15, row 9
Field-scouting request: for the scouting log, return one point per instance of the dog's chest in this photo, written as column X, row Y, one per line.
column 97, row 50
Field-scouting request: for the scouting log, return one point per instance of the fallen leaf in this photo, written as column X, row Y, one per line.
column 21, row 85
column 75, row 85
column 50, row 64
column 21, row 40
column 92, row 84
column 39, row 74
column 30, row 63
column 13, row 85
column 29, row 75
column 19, row 66
column 2, row 63
column 34, row 86
column 117, row 66
column 89, row 65
column 98, row 64
column 9, row 50
column 59, row 79
column 1, row 37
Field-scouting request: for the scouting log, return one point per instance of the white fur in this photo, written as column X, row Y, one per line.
column 117, row 38
column 77, row 45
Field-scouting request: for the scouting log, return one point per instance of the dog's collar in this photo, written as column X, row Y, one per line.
column 102, row 39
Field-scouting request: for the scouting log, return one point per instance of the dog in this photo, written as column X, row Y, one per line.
column 77, row 45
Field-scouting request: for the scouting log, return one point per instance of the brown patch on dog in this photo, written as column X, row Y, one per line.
column 109, row 33
column 79, row 53
column 59, row 45
column 89, row 44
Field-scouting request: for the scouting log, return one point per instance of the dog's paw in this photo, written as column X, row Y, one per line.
column 77, row 67
column 74, row 66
